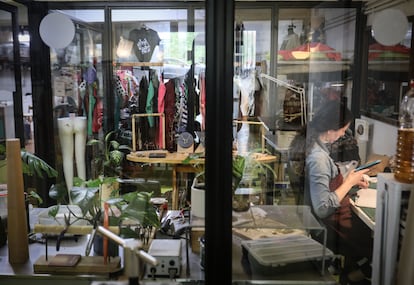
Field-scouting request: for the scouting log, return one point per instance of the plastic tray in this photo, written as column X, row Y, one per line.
column 285, row 249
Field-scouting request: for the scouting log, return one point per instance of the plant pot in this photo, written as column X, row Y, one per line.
column 241, row 199
column 113, row 247
column 198, row 198
column 241, row 203
column 106, row 190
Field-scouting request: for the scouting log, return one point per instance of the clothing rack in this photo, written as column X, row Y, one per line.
column 134, row 116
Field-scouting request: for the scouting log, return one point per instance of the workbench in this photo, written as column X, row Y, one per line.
column 17, row 274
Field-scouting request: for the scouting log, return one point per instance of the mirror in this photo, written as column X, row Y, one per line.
column 57, row 30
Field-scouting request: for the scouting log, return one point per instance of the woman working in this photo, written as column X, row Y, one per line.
column 327, row 190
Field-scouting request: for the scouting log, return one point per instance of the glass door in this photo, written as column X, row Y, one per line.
column 11, row 115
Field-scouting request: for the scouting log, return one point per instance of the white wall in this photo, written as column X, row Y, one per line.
column 382, row 137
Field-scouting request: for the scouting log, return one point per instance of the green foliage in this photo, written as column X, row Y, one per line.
column 242, row 165
column 2, row 149
column 58, row 193
column 111, row 154
column 34, row 165
column 239, row 165
column 34, row 195
column 135, row 206
column 87, row 198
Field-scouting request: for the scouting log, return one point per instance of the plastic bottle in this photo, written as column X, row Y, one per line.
column 404, row 171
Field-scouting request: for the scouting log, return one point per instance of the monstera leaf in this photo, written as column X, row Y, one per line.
column 34, row 165
column 85, row 198
column 137, row 206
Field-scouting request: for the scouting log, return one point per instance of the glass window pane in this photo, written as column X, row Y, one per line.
column 78, row 95
column 388, row 68
column 316, row 51
column 6, row 53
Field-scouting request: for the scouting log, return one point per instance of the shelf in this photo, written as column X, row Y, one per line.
column 137, row 64
column 388, row 65
column 301, row 66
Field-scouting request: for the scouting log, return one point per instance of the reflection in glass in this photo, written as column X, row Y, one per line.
column 388, row 68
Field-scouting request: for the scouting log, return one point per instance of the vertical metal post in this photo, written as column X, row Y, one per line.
column 219, row 137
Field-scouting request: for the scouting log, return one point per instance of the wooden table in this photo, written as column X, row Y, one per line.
column 182, row 163
column 178, row 161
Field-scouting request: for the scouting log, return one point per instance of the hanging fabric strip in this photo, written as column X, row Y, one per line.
column 90, row 108
column 161, row 129
column 149, row 107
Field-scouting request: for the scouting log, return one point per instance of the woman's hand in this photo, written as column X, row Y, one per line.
column 358, row 178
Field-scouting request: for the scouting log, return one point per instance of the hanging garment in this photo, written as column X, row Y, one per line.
column 203, row 100
column 155, row 84
column 154, row 105
column 97, row 115
column 91, row 105
column 120, row 95
column 169, row 110
column 143, row 122
column 90, row 78
column 128, row 81
column 145, row 40
column 258, row 96
column 161, row 129
column 149, row 108
column 82, row 99
column 246, row 86
column 190, row 82
column 182, row 111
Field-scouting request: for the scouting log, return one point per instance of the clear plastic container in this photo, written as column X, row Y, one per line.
column 283, row 249
column 404, row 171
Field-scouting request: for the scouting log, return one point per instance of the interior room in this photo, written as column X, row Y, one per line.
column 183, row 142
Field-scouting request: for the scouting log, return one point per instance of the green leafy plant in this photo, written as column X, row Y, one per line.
column 35, row 166
column 2, row 151
column 111, row 154
column 244, row 168
column 134, row 207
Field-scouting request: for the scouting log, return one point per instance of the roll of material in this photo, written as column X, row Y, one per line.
column 405, row 274
column 18, row 243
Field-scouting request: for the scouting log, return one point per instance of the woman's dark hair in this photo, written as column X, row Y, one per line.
column 332, row 116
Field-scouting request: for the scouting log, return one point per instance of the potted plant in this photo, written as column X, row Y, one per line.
column 245, row 169
column 133, row 212
column 109, row 161
column 111, row 154
column 32, row 165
